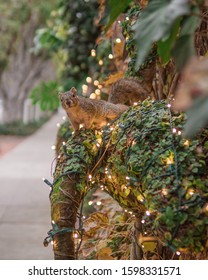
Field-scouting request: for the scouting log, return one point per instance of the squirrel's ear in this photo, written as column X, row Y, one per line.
column 74, row 91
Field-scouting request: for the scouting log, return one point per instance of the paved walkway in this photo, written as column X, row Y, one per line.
column 24, row 197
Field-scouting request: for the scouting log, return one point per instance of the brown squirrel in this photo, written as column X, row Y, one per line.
column 127, row 91
column 89, row 112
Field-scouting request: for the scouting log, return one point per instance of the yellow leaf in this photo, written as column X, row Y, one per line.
column 113, row 78
column 149, row 246
column 104, row 254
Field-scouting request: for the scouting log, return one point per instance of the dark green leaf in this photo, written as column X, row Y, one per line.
column 165, row 46
column 155, row 23
column 116, row 8
column 183, row 50
column 197, row 117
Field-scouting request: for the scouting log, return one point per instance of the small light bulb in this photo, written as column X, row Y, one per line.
column 90, row 202
column 90, row 177
column 53, row 147
column 174, row 130
column 52, row 242
column 96, row 83
column 64, row 143
column 89, row 80
column 164, row 191
column 148, row 213
column 93, row 52
column 100, row 62
column 98, row 203
column 118, row 40
column 178, row 253
column 93, row 95
column 127, row 178
column 169, row 105
column 58, row 125
column 76, row 235
column 142, row 221
column 64, row 118
column 110, row 56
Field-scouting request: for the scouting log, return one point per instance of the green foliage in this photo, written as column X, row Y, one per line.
column 156, row 23
column 14, row 14
column 46, row 95
column 146, row 165
column 116, row 10
column 71, row 30
column 19, row 128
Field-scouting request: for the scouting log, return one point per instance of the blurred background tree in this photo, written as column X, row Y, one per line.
column 20, row 69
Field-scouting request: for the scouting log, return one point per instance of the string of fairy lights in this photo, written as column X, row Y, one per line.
column 108, row 177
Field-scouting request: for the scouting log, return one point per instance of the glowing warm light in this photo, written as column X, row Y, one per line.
column 89, row 80
column 170, row 160
column 90, row 202
column 148, row 213
column 110, row 56
column 127, row 18
column 99, row 86
column 52, row 242
column 186, row 143
column 97, row 92
column 93, row 52
column 90, row 177
column 164, row 191
column 84, row 89
column 135, row 103
column 81, row 125
column 206, row 207
column 169, row 105
column 178, row 253
column 118, row 40
column 100, row 62
column 98, row 203
column 76, row 235
column 64, row 143
column 93, row 95
column 96, row 83
column 191, row 191
column 179, row 132
column 109, row 177
column 53, row 147
column 142, row 221
column 64, row 118
column 174, row 130
column 127, row 178
column 58, row 125
column 53, row 222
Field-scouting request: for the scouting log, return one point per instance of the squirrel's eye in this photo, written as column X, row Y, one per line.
column 73, row 95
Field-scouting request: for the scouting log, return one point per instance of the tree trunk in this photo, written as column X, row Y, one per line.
column 24, row 72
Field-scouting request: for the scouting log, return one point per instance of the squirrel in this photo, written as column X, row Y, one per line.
column 89, row 112
column 127, row 91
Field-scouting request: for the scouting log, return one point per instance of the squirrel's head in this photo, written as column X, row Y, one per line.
column 69, row 98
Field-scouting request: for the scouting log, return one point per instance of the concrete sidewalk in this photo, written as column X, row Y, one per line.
column 24, row 197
